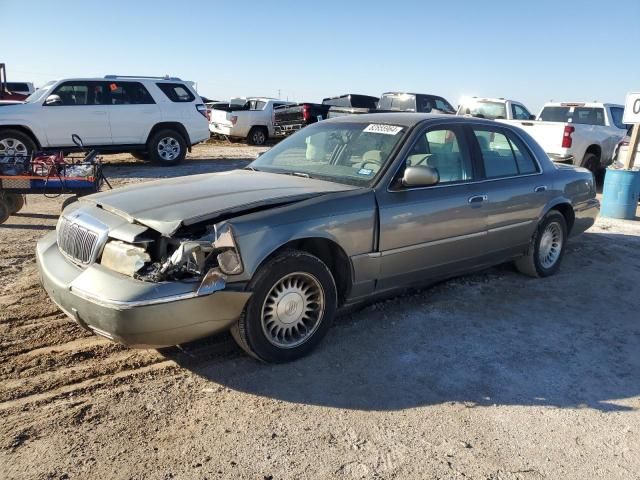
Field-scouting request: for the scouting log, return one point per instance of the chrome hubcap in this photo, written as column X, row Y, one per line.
column 550, row 245
column 12, row 147
column 168, row 148
column 258, row 138
column 293, row 310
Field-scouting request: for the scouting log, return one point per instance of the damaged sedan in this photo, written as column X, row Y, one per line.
column 338, row 213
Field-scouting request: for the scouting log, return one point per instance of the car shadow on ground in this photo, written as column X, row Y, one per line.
column 493, row 338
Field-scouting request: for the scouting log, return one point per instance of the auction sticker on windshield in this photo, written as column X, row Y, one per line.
column 385, row 129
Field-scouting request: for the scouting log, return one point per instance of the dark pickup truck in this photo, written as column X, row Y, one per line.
column 289, row 119
column 414, row 102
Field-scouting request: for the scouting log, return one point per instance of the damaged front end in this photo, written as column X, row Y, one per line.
column 204, row 254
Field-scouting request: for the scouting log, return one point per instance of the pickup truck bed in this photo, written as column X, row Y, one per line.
column 290, row 119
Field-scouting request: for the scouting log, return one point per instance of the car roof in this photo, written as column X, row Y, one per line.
column 405, row 119
column 412, row 93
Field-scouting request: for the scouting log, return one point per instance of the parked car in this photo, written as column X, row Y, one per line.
column 583, row 134
column 291, row 118
column 251, row 120
column 494, row 108
column 23, row 88
column 414, row 102
column 336, row 214
column 155, row 118
column 350, row 104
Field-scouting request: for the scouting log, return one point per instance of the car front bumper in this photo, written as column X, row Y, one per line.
column 133, row 312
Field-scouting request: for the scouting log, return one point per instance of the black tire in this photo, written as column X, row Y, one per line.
column 592, row 163
column 170, row 139
column 5, row 213
column 7, row 135
column 68, row 201
column 531, row 263
column 249, row 330
column 15, row 202
column 257, row 136
column 140, row 155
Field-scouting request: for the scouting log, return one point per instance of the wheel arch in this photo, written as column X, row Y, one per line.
column 595, row 149
column 179, row 127
column 327, row 250
column 25, row 130
column 565, row 208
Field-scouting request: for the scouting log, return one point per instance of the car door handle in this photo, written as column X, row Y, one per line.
column 478, row 198
column 540, row 188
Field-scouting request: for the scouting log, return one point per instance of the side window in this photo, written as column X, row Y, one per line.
column 128, row 93
column 519, row 112
column 443, row 150
column 588, row 116
column 616, row 117
column 503, row 156
column 80, row 93
column 176, row 92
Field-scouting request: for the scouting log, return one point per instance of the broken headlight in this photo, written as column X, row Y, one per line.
column 228, row 256
column 123, row 257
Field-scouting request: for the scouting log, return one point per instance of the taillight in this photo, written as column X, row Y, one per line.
column 305, row 113
column 567, row 141
column 204, row 111
column 234, row 119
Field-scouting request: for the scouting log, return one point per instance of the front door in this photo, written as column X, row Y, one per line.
column 80, row 110
column 435, row 231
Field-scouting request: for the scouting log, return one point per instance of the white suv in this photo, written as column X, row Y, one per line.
column 151, row 117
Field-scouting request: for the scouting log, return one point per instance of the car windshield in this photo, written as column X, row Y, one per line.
column 490, row 110
column 39, row 93
column 350, row 153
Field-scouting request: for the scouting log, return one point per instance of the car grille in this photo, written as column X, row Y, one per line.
column 78, row 241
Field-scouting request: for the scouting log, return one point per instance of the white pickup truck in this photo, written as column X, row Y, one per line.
column 252, row 120
column 583, row 134
column 494, row 109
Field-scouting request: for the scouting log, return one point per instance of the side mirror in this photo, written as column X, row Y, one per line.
column 532, row 117
column 420, row 176
column 53, row 100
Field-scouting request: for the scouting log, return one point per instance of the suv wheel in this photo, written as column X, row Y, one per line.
column 14, row 143
column 293, row 304
column 167, row 147
column 257, row 136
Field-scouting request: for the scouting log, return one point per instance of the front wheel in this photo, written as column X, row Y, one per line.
column 293, row 304
column 547, row 247
column 15, row 202
column 5, row 212
column 167, row 147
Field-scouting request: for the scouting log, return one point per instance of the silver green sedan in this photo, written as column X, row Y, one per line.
column 338, row 213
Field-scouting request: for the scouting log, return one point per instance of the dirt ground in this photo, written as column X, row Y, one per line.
column 489, row 376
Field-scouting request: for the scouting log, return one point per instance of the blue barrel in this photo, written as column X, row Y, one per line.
column 620, row 194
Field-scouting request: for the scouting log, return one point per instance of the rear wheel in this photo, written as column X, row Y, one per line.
column 547, row 247
column 15, row 202
column 5, row 213
column 14, row 143
column 293, row 304
column 592, row 162
column 167, row 147
column 257, row 136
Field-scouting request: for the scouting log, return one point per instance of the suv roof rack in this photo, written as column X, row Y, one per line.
column 166, row 77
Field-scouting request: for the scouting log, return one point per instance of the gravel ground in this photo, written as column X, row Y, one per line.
column 488, row 376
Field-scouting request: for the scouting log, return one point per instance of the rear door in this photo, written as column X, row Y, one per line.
column 132, row 112
column 80, row 111
column 515, row 187
column 435, row 231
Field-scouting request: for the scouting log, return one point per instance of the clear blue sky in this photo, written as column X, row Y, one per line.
column 532, row 51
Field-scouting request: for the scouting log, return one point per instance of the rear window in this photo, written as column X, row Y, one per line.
column 176, row 92
column 399, row 102
column 17, row 87
column 578, row 115
column 256, row 105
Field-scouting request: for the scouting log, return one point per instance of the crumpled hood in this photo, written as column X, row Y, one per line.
column 165, row 205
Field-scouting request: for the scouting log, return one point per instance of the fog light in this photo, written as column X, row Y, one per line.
column 229, row 262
